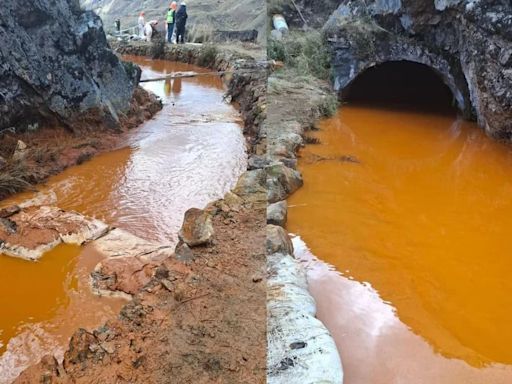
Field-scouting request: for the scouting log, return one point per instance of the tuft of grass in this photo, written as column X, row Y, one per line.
column 208, row 55
column 14, row 178
column 329, row 106
column 311, row 140
column 305, row 52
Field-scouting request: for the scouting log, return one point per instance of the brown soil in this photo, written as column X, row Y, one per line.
column 196, row 322
column 53, row 149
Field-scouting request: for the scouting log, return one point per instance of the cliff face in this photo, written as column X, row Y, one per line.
column 56, row 67
column 467, row 43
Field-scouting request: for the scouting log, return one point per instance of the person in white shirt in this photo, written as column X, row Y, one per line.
column 141, row 24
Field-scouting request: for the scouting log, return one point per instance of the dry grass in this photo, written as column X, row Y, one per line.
column 44, row 151
column 311, row 140
column 304, row 52
column 14, row 177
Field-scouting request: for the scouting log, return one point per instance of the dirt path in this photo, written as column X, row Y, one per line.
column 198, row 321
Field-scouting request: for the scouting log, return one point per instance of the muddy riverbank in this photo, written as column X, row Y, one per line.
column 222, row 277
column 29, row 158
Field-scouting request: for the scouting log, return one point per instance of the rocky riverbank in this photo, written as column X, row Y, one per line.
column 299, row 345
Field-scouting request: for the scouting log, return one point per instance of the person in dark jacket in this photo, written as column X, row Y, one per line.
column 181, row 22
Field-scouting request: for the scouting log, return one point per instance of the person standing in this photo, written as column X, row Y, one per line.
column 181, row 22
column 171, row 18
column 141, row 23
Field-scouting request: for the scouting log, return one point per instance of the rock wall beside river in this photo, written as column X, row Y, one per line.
column 56, row 67
column 467, row 43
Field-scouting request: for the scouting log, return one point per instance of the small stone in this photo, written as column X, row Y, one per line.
column 9, row 211
column 298, row 345
column 257, row 279
column 167, row 285
column 109, row 347
column 162, row 272
column 197, row 227
column 184, row 253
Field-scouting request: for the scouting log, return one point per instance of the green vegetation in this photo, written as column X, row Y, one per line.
column 304, row 53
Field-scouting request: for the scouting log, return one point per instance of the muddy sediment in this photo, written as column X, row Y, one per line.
column 51, row 149
column 198, row 321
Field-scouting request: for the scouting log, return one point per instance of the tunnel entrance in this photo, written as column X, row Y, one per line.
column 403, row 85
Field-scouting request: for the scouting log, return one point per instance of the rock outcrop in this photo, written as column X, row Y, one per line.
column 467, row 43
column 56, row 67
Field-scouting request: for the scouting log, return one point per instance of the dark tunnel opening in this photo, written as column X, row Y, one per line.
column 401, row 85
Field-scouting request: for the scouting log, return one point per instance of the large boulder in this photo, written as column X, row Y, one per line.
column 56, row 66
column 282, row 182
column 467, row 43
column 277, row 213
column 278, row 240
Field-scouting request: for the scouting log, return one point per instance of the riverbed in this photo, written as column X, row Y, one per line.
column 191, row 153
column 408, row 214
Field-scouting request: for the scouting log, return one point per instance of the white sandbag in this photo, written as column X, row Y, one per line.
column 300, row 348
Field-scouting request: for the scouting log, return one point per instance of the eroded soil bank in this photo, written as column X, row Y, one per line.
column 241, row 252
column 412, row 211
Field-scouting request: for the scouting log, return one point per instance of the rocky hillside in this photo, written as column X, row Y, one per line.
column 226, row 15
column 467, row 43
column 56, row 66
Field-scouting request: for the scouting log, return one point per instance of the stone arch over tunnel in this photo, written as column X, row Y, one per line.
column 402, row 83
column 350, row 62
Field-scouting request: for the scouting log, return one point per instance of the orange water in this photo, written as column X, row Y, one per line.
column 191, row 153
column 415, row 210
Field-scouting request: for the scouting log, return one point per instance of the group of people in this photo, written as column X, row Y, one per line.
column 175, row 20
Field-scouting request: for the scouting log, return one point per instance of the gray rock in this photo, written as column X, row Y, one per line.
column 277, row 213
column 197, row 227
column 56, row 66
column 250, row 183
column 184, row 253
column 282, row 182
column 278, row 240
column 257, row 162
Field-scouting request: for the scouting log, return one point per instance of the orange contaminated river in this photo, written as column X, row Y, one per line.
column 406, row 217
column 191, row 153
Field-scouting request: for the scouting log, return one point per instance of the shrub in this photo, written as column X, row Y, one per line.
column 305, row 52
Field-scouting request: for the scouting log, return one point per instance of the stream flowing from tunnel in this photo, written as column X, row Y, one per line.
column 189, row 154
column 403, row 223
